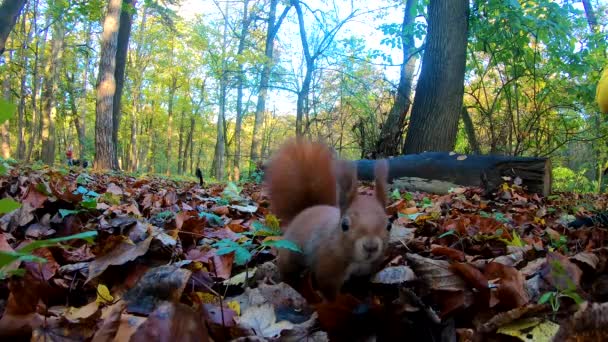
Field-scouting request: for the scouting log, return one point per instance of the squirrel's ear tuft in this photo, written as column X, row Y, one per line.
column 346, row 175
column 381, row 175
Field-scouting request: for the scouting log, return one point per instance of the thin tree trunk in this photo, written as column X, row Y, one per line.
column 188, row 148
column 470, row 129
column 220, row 144
column 170, row 121
column 122, row 47
column 271, row 32
column 51, row 88
column 36, row 122
column 22, row 90
column 239, row 97
column 104, row 121
column 5, row 147
column 151, row 146
column 301, row 104
column 9, row 12
column 134, row 156
column 180, row 144
column 392, row 130
column 79, row 112
column 590, row 14
column 439, row 93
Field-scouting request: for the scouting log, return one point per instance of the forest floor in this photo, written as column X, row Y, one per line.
column 110, row 257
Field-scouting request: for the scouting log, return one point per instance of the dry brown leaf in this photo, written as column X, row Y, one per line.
column 172, row 322
column 511, row 292
column 121, row 254
column 436, row 273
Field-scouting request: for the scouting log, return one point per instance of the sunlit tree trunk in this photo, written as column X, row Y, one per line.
column 23, row 89
column 180, row 144
column 51, row 88
column 5, row 147
column 104, row 123
column 122, row 47
column 439, row 93
column 239, row 97
column 220, row 143
column 392, row 130
column 172, row 91
column 271, row 32
column 36, row 81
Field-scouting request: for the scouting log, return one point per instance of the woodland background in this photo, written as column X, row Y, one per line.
column 168, row 90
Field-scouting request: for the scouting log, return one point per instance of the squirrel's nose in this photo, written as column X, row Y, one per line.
column 370, row 246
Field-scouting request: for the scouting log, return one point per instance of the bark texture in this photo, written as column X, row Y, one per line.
column 9, row 12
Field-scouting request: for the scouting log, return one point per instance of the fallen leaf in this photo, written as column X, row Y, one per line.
column 511, row 292
column 121, row 254
column 155, row 286
column 394, row 275
column 436, row 273
column 531, row 329
column 172, row 322
column 262, row 321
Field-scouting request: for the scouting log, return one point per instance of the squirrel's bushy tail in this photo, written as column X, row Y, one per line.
column 301, row 174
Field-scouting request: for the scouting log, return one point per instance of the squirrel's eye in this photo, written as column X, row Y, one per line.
column 389, row 225
column 345, row 224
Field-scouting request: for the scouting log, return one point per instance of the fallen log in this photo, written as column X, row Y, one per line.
column 437, row 172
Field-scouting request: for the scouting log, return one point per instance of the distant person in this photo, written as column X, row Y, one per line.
column 74, row 162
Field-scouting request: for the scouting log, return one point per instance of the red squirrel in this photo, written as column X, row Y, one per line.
column 340, row 232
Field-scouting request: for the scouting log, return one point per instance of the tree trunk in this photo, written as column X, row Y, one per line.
column 180, row 143
column 105, row 150
column 271, row 32
column 188, row 148
column 392, row 130
column 36, row 123
column 122, row 47
column 440, row 89
column 81, row 121
column 470, row 129
column 590, row 14
column 439, row 171
column 220, row 143
column 301, row 105
column 9, row 12
column 5, row 147
column 239, row 97
column 22, row 90
column 172, row 90
column 51, row 88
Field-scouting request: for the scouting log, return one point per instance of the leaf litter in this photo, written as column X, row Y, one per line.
column 111, row 257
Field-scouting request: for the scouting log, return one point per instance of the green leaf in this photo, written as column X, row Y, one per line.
column 448, row 233
column 3, row 169
column 286, row 244
column 395, row 195
column 89, row 203
column 545, row 297
column 241, row 256
column 7, row 205
column 67, row 212
column 7, row 110
column 87, row 236
column 574, row 295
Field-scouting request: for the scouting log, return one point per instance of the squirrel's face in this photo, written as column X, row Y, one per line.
column 365, row 227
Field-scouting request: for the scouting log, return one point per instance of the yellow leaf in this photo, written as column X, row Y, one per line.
column 272, row 238
column 272, row 222
column 235, row 306
column 206, row 297
column 601, row 93
column 505, row 187
column 530, row 330
column 103, row 295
